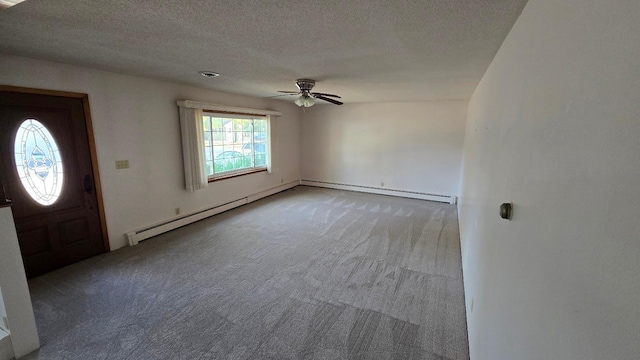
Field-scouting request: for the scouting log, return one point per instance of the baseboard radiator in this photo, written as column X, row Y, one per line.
column 136, row 236
column 450, row 199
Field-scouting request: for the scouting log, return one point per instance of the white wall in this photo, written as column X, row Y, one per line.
column 136, row 118
column 408, row 146
column 16, row 297
column 554, row 126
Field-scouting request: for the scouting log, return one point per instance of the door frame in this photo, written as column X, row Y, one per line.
column 92, row 146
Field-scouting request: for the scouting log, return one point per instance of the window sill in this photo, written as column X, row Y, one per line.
column 235, row 174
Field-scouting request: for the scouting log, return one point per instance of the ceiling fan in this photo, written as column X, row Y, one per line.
column 307, row 97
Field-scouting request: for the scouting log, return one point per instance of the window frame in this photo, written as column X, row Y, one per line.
column 238, row 172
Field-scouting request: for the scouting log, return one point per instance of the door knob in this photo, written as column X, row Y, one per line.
column 506, row 211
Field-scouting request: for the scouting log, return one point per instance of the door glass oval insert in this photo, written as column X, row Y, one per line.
column 38, row 162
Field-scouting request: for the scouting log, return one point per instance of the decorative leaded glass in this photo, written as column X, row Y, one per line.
column 38, row 162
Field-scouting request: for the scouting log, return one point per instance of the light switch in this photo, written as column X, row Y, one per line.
column 122, row 164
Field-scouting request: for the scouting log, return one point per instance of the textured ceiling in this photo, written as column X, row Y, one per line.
column 365, row 51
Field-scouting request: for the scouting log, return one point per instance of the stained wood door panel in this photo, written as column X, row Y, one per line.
column 74, row 231
column 55, row 228
column 35, row 241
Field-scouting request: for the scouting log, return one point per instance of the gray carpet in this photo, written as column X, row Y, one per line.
column 309, row 273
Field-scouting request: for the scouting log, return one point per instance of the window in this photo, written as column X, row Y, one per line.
column 234, row 144
column 230, row 130
column 38, row 162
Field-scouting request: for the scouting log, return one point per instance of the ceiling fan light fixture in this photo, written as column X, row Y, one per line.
column 305, row 101
column 309, row 101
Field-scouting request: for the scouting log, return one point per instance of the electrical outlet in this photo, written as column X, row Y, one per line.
column 281, row 181
column 177, row 211
column 382, row 184
column 122, row 164
column 472, row 301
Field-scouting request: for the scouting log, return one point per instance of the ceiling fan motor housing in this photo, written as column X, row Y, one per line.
column 305, row 85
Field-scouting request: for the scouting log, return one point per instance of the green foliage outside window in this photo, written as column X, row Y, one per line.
column 232, row 164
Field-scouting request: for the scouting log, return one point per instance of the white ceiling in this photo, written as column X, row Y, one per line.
column 365, row 51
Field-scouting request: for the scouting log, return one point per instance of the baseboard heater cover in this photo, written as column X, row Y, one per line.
column 134, row 237
column 450, row 199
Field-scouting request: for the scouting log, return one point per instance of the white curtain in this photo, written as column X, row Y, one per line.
column 272, row 144
column 192, row 129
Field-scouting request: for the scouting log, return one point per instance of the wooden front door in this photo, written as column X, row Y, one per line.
column 47, row 172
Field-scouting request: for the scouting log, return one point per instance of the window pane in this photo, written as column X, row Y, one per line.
column 261, row 159
column 237, row 136
column 206, row 122
column 260, row 126
column 242, row 162
column 217, row 150
column 218, row 130
column 247, row 130
column 237, row 147
column 216, row 123
column 260, row 137
column 38, row 162
column 260, row 148
column 228, row 131
column 234, row 144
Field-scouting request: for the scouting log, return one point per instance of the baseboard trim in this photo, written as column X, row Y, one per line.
column 450, row 199
column 135, row 236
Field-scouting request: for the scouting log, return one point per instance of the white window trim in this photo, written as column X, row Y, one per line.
column 210, row 107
